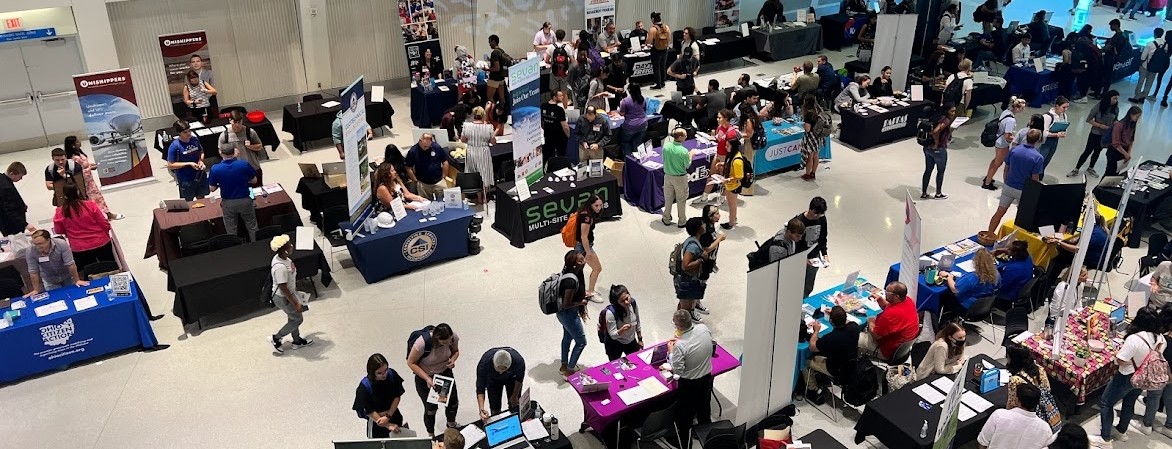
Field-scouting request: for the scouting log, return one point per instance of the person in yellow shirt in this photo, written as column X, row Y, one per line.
column 733, row 171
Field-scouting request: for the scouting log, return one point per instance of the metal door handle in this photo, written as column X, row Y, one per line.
column 22, row 100
column 56, row 95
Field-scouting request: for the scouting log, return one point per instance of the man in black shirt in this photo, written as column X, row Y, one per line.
column 1116, row 48
column 815, row 237
column 60, row 170
column 835, row 351
column 499, row 62
column 772, row 12
column 684, row 71
column 13, row 210
column 499, row 369
column 554, row 126
column 617, row 81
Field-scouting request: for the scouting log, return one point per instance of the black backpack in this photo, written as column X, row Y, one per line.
column 425, row 334
column 863, row 385
column 924, row 135
column 954, row 92
column 747, row 180
column 559, row 63
column 991, row 132
column 760, row 257
column 603, row 335
column 1160, row 59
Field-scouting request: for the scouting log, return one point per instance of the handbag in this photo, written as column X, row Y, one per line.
column 900, row 375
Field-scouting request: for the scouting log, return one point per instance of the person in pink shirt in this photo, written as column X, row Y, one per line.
column 86, row 227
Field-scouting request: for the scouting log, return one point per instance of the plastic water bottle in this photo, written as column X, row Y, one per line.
column 553, row 429
column 924, row 430
column 298, row 106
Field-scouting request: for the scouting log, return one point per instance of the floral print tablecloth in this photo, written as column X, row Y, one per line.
column 1100, row 366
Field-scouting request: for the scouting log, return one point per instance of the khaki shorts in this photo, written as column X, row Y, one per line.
column 494, row 84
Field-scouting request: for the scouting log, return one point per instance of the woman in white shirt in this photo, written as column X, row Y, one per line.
column 855, row 92
column 946, row 355
column 1006, row 124
column 1053, row 129
column 1143, row 336
column 624, row 332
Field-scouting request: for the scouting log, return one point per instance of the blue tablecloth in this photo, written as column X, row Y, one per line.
column 928, row 295
column 411, row 244
column 1037, row 87
column 782, row 151
column 818, row 300
column 427, row 108
column 37, row 344
column 643, row 186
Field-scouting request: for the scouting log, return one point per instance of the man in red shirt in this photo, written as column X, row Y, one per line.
column 896, row 324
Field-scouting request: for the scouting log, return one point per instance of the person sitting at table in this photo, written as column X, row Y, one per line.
column 716, row 100
column 1017, row 271
column 691, row 351
column 86, row 227
column 882, row 86
column 392, row 155
column 544, row 38
column 782, row 108
column 1058, row 299
column 377, row 397
column 500, row 370
column 895, row 324
column 805, row 81
column 50, row 264
column 608, row 40
column 701, row 121
column 13, row 210
column 427, row 162
column 185, row 160
column 640, row 32
column 828, row 81
column 855, row 93
column 1017, row 428
column 992, row 43
column 934, row 72
column 963, row 292
column 1096, row 256
column 621, row 329
column 593, row 131
column 1023, row 371
column 946, row 355
column 835, row 353
column 389, row 186
column 1021, row 53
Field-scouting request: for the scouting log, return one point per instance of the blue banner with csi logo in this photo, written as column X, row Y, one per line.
column 412, row 242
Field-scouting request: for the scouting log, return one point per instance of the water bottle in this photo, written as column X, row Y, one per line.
column 924, row 430
column 553, row 429
column 298, row 106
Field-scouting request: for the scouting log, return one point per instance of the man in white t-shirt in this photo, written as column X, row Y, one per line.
column 1019, row 427
column 965, row 74
column 544, row 38
column 1021, row 51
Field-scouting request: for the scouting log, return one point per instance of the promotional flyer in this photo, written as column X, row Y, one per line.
column 421, row 37
column 354, row 128
column 525, row 89
column 114, row 125
column 183, row 53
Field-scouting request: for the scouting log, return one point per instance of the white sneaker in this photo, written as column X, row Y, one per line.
column 1100, row 443
column 1116, row 434
column 1144, row 429
column 1092, row 172
column 1164, row 431
column 700, row 200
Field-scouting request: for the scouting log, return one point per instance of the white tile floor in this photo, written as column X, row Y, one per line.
column 224, row 388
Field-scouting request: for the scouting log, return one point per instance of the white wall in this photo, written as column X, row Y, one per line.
column 85, row 18
column 316, row 51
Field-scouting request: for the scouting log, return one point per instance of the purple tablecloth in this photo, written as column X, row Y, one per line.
column 643, row 186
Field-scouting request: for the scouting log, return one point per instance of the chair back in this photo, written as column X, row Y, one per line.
column 721, row 441
column 269, row 232
column 311, row 97
column 100, row 269
column 902, row 352
column 195, row 233
column 224, row 241
column 1026, row 294
column 1017, row 320
column 981, row 308
column 556, row 163
column 332, row 216
column 288, row 222
column 658, row 424
column 469, row 182
column 11, row 284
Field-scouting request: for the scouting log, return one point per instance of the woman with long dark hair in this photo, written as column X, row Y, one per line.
column 378, row 396
column 733, row 171
column 389, row 186
column 86, row 228
column 634, row 114
column 624, row 331
column 1122, row 138
column 1071, row 437
column 811, row 144
column 1145, row 334
column 1102, row 118
column 946, row 355
column 1023, row 371
column 1153, row 398
column 587, row 219
column 936, row 154
column 93, row 191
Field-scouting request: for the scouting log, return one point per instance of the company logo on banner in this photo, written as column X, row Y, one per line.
column 419, row 246
column 114, row 125
column 784, row 149
column 894, row 123
column 557, row 209
column 57, row 334
column 183, row 53
column 421, row 37
column 525, row 90
column 599, row 14
column 354, row 128
column 726, row 13
column 642, row 68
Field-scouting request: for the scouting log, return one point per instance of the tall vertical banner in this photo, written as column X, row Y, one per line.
column 949, row 410
column 354, row 128
column 421, row 36
column 182, row 53
column 726, row 13
column 525, row 90
column 909, row 261
column 114, row 125
column 599, row 14
column 1070, row 296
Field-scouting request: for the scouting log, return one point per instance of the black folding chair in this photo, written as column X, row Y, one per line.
column 224, row 241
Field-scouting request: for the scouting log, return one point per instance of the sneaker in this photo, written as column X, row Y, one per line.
column 303, row 343
column 700, row 200
column 1165, row 431
column 594, row 298
column 1146, row 430
column 988, row 186
column 696, row 318
column 1100, row 443
column 925, row 196
column 666, row 222
column 117, row 216
column 700, row 308
column 1135, row 100
column 682, row 225
column 564, row 371
column 941, row 196
column 1121, row 436
column 1081, row 100
column 1072, row 173
column 726, row 226
column 1092, row 172
column 276, row 342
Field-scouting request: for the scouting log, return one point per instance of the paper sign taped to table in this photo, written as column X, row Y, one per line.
column 917, row 92
column 943, row 383
column 51, row 308
column 929, row 394
column 964, row 413
column 975, row 401
column 376, row 94
column 523, row 192
column 87, row 302
column 473, row 434
column 304, row 238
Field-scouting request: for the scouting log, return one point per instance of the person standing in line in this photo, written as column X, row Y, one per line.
column 247, row 143
column 587, row 219
column 555, row 127
column 811, row 141
column 1017, row 428
column 500, row 370
column 1153, row 398
column 285, row 294
column 726, row 132
column 377, row 397
column 13, row 210
column 1006, row 126
column 814, row 219
column 623, row 330
column 691, row 352
column 710, row 239
column 750, row 122
column 596, row 92
column 964, row 75
column 233, row 177
column 479, row 136
column 1122, row 138
column 426, row 163
column 936, row 155
column 1153, row 63
column 734, row 171
column 93, row 191
column 676, row 160
column 689, row 283
column 572, row 312
column 82, row 222
column 1023, row 163
column 1102, row 117
column 1144, row 335
column 62, row 170
column 579, row 80
column 185, row 160
column 634, row 113
column 434, row 352
column 659, row 37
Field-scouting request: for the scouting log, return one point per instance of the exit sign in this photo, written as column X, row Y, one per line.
column 13, row 23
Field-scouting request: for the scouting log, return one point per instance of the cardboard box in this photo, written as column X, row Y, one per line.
column 616, row 169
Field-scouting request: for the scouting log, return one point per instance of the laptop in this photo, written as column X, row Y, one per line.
column 594, row 387
column 659, row 357
column 176, row 205
column 309, row 170
column 1112, row 181
column 1011, row 28
column 334, row 174
column 1049, row 15
column 506, row 433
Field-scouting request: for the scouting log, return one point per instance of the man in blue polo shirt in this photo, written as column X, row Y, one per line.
column 232, row 177
column 185, row 159
column 1023, row 163
column 426, row 163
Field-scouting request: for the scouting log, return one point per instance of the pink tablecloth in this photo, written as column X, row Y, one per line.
column 1082, row 380
column 599, row 416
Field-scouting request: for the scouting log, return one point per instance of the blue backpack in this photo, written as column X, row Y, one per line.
column 362, row 412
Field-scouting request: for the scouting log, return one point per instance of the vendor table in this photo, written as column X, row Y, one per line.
column 314, row 121
column 825, row 299
column 427, row 108
column 681, row 114
column 231, row 282
column 833, row 28
column 544, row 213
column 1099, row 367
column 600, row 416
column 785, row 41
column 730, row 45
column 317, row 196
column 413, row 242
column 35, row 344
column 502, row 161
column 1128, row 66
column 877, row 128
column 643, row 180
column 639, row 67
column 1141, row 205
column 1038, row 87
column 928, row 294
column 163, row 239
column 782, row 150
column 896, row 418
column 209, row 140
column 821, row 440
column 1042, row 253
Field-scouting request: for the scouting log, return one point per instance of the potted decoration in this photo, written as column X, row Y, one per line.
column 1080, row 356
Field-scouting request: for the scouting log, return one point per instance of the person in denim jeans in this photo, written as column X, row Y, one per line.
column 185, row 160
column 1153, row 398
column 936, row 155
column 1142, row 336
column 688, row 283
column 573, row 311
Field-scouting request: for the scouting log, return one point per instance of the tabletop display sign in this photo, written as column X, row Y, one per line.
column 114, row 124
column 120, row 284
column 397, row 209
column 354, row 128
column 599, row 14
column 909, row 264
column 949, row 411
column 523, row 192
column 182, row 53
column 421, row 38
column 452, row 198
column 596, row 168
column 525, row 90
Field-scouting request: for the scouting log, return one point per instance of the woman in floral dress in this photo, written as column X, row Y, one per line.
column 93, row 191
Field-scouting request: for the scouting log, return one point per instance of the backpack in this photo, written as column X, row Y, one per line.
column 991, row 132
column 863, row 385
column 748, row 178
column 675, row 259
column 570, row 231
column 1160, row 59
column 559, row 63
column 1152, row 373
column 662, row 37
column 823, row 126
column 924, row 135
column 760, row 257
column 362, row 412
column 425, row 334
column 603, row 335
column 759, row 138
column 549, row 298
column 954, row 92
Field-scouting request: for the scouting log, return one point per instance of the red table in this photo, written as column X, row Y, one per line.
column 600, row 417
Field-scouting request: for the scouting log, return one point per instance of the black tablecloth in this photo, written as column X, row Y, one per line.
column 677, row 111
column 316, row 197
column 819, row 439
column 427, row 108
column 264, row 130
column 731, row 46
column 1141, row 206
column 786, row 43
column 544, row 214
column 856, row 66
column 314, row 122
column 833, row 27
column 233, row 281
column 896, row 418
column 983, row 95
column 502, row 162
column 864, row 132
column 639, row 68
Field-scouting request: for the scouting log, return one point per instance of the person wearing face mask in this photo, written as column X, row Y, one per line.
column 500, row 370
column 946, row 355
column 434, row 351
column 285, row 295
column 377, row 398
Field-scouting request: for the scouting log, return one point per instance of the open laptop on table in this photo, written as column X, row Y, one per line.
column 335, row 174
column 179, row 205
column 506, row 433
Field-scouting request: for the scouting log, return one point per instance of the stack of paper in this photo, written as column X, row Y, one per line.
column 975, row 401
column 51, row 308
column 929, row 394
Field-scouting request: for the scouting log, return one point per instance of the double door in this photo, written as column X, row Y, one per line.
column 38, row 104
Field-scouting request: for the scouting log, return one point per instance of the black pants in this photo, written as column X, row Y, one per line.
column 554, row 146
column 693, row 403
column 430, row 409
column 1113, row 158
column 659, row 66
column 614, row 349
column 1104, row 73
column 1093, row 149
column 494, row 391
column 950, row 305
column 1086, row 81
column 377, row 431
column 82, row 259
column 1065, row 82
column 811, row 275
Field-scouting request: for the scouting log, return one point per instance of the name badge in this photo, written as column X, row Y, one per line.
column 597, row 127
column 432, row 153
column 43, row 259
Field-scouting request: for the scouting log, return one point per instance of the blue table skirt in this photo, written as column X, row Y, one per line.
column 782, row 151
column 38, row 344
column 818, row 300
column 928, row 296
column 411, row 244
column 428, row 108
column 643, row 186
column 1039, row 88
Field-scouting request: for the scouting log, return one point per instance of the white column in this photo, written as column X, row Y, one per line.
column 96, row 37
column 315, row 43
